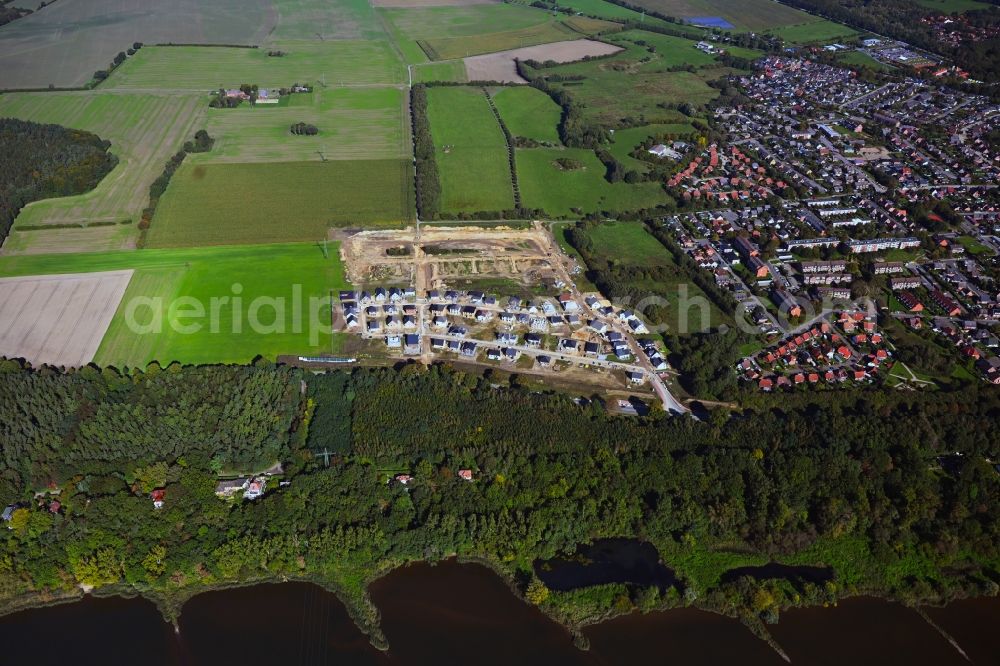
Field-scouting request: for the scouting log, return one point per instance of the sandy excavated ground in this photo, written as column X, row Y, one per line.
column 500, row 66
column 410, row 4
column 58, row 319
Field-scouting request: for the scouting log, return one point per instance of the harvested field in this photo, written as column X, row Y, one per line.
column 58, row 319
column 64, row 43
column 408, row 4
column 500, row 66
column 144, row 130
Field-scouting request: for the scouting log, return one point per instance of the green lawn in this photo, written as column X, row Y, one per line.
column 558, row 191
column 208, row 68
column 144, row 131
column 470, row 150
column 266, row 279
column 529, row 113
column 814, row 32
column 224, row 204
column 627, row 139
column 353, row 123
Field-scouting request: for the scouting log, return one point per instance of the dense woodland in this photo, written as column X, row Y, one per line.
column 915, row 518
column 44, row 161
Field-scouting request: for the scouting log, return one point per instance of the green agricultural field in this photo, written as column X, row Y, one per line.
column 443, row 22
column 671, row 50
column 528, row 113
column 626, row 140
column 257, row 272
column 225, row 204
column 197, row 68
column 144, row 131
column 353, row 123
column 325, row 20
column 563, row 29
column 570, row 192
column 814, row 32
column 445, row 70
column 744, row 15
column 470, row 150
column 613, row 12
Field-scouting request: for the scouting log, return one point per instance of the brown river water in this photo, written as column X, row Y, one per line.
column 464, row 614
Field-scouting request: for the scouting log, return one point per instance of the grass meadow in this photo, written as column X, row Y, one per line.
column 225, row 204
column 329, row 63
column 565, row 193
column 671, row 51
column 814, row 32
column 353, row 123
column 445, row 70
column 528, row 113
column 201, row 274
column 560, row 30
column 470, row 150
column 144, row 131
column 610, row 95
column 444, row 22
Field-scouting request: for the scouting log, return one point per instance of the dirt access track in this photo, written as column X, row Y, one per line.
column 428, row 259
column 58, row 319
column 500, row 66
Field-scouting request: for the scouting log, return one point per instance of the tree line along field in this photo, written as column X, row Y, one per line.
column 547, row 184
column 227, row 203
column 368, row 123
column 470, row 151
column 144, row 131
column 197, row 68
column 201, row 274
